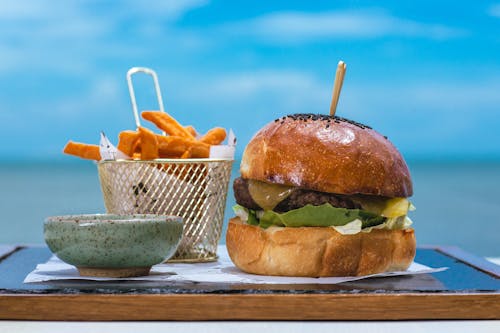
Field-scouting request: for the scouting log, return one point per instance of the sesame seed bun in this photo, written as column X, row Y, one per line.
column 326, row 154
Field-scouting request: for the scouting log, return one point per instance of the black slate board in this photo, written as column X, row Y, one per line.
column 473, row 276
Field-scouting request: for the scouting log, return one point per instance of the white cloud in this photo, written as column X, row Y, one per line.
column 49, row 34
column 494, row 10
column 247, row 84
column 23, row 10
column 307, row 91
column 30, row 20
column 274, row 90
column 44, row 9
column 459, row 96
column 442, row 96
column 103, row 94
column 170, row 10
column 290, row 27
column 99, row 105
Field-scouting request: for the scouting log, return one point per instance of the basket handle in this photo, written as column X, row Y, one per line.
column 148, row 71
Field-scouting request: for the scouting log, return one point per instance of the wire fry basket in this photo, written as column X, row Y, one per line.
column 194, row 189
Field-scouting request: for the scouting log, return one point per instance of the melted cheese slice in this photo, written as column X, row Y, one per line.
column 396, row 207
column 268, row 196
column 393, row 207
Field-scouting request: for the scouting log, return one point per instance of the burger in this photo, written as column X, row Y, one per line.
column 321, row 196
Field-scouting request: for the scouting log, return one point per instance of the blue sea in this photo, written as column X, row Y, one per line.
column 457, row 203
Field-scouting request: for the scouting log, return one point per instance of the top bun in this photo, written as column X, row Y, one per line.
column 326, row 154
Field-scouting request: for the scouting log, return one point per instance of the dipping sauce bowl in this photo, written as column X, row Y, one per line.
column 110, row 245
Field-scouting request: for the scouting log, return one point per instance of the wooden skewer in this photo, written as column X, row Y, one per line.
column 337, row 86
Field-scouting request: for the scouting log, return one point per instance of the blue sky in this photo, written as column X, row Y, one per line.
column 426, row 73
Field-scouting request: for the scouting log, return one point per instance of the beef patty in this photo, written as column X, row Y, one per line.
column 297, row 199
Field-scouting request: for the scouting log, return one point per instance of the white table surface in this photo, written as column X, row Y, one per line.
column 455, row 326
column 261, row 327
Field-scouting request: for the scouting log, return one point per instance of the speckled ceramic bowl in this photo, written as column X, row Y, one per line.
column 113, row 245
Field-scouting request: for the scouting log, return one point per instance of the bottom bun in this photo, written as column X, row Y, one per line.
column 317, row 251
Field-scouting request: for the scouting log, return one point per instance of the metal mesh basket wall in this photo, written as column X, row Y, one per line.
column 193, row 189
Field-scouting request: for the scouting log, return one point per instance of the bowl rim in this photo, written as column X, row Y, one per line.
column 114, row 218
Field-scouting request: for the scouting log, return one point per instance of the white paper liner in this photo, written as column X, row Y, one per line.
column 221, row 271
column 108, row 151
column 227, row 150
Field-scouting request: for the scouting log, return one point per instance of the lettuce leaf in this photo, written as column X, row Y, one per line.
column 350, row 228
column 246, row 215
column 310, row 216
column 397, row 223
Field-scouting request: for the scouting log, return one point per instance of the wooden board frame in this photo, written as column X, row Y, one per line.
column 250, row 307
column 266, row 306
